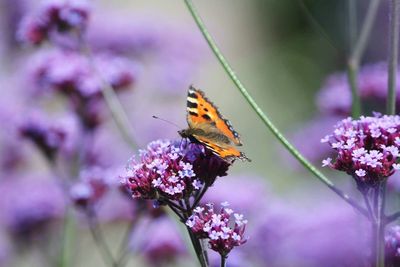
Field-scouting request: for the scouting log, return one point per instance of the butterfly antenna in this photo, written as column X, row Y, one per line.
column 167, row 121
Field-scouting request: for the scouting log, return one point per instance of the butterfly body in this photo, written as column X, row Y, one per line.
column 208, row 127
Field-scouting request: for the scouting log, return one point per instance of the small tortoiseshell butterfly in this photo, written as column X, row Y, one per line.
column 208, row 127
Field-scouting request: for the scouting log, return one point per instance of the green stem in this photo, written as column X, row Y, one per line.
column 353, row 63
column 393, row 56
column 100, row 240
column 352, row 8
column 67, row 240
column 228, row 69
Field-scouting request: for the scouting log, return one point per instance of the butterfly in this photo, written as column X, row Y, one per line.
column 208, row 127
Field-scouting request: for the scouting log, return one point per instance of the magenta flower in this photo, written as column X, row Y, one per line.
column 367, row 148
column 168, row 170
column 53, row 16
column 224, row 230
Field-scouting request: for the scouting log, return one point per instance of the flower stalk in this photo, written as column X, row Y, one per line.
column 267, row 122
column 353, row 63
column 393, row 55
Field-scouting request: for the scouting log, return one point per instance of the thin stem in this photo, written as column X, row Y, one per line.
column 100, row 240
column 368, row 204
column 392, row 217
column 317, row 26
column 352, row 8
column 393, row 55
column 379, row 225
column 67, row 239
column 353, row 63
column 123, row 250
column 117, row 111
column 268, row 123
column 199, row 197
column 223, row 261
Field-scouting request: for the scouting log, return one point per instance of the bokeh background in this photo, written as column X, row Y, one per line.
column 283, row 51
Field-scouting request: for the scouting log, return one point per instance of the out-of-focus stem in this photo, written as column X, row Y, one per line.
column 379, row 225
column 223, row 261
column 267, row 122
column 116, row 109
column 68, row 236
column 393, row 55
column 99, row 240
column 353, row 63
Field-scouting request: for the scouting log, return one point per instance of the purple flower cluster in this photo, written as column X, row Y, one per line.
column 53, row 16
column 94, row 183
column 335, row 95
column 169, row 169
column 49, row 72
column 224, row 229
column 367, row 148
column 79, row 81
column 49, row 136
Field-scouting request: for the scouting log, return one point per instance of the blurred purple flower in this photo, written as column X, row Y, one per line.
column 292, row 237
column 171, row 53
column 159, row 242
column 49, row 72
column 79, row 81
column 53, row 16
column 29, row 204
column 93, row 185
column 49, row 135
column 335, row 95
column 392, row 246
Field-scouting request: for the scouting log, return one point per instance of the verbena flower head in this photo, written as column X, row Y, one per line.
column 224, row 229
column 93, row 185
column 29, row 204
column 392, row 246
column 366, row 148
column 172, row 170
column 163, row 245
column 53, row 16
column 335, row 95
column 48, row 135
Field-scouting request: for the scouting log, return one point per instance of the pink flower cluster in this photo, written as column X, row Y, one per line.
column 224, row 229
column 59, row 16
column 367, row 148
column 161, row 171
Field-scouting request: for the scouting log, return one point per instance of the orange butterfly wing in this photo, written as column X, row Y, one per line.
column 201, row 110
column 227, row 153
column 209, row 127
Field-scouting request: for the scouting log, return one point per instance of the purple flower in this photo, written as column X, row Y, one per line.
column 335, row 95
column 305, row 235
column 159, row 242
column 49, row 136
column 224, row 229
column 172, row 170
column 392, row 246
column 367, row 148
column 29, row 204
column 171, row 54
column 79, row 81
column 53, row 16
column 93, row 185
